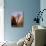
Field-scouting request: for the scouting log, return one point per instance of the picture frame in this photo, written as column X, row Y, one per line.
column 17, row 19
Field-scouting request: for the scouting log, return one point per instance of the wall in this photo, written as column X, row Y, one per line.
column 1, row 21
column 43, row 6
column 29, row 7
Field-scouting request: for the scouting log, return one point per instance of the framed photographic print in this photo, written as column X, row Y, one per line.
column 17, row 19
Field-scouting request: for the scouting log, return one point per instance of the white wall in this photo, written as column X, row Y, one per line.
column 1, row 21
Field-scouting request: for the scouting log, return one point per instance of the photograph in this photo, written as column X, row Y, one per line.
column 17, row 19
